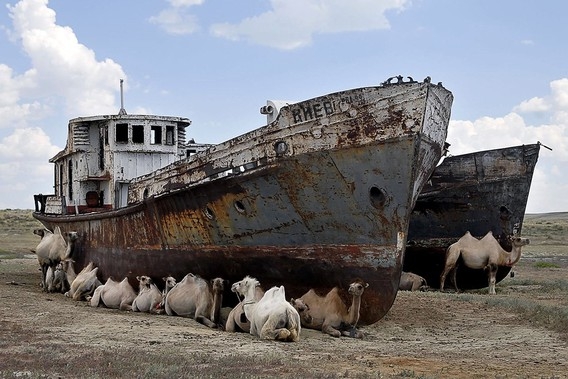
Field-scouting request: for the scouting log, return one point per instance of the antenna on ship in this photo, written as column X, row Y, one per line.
column 122, row 111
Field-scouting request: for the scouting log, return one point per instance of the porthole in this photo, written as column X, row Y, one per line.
column 239, row 206
column 377, row 197
column 281, row 148
column 208, row 213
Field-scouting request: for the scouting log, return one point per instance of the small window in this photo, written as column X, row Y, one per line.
column 138, row 133
column 122, row 133
column 169, row 135
column 156, row 135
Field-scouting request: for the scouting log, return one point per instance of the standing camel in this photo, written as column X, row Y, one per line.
column 52, row 249
column 485, row 253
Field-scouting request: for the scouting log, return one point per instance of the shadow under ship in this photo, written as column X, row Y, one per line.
column 314, row 199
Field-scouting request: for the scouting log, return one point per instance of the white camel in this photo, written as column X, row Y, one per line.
column 169, row 283
column 52, row 249
column 85, row 283
column 330, row 314
column 271, row 317
column 113, row 294
column 197, row 298
column 410, row 281
column 149, row 296
column 485, row 253
column 237, row 320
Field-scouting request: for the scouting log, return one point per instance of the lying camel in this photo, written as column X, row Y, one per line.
column 271, row 317
column 237, row 320
column 485, row 253
column 197, row 298
column 410, row 281
column 113, row 294
column 85, row 283
column 149, row 296
column 170, row 282
column 330, row 314
column 303, row 310
column 52, row 249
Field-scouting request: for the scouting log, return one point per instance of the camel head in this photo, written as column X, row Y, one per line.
column 170, row 281
column 247, row 285
column 41, row 232
column 218, row 285
column 517, row 243
column 303, row 310
column 144, row 281
column 357, row 287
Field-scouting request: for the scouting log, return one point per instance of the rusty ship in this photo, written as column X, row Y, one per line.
column 477, row 192
column 320, row 195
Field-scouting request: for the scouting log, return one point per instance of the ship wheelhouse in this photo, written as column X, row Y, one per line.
column 102, row 155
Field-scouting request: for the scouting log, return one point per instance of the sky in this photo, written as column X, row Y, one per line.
column 218, row 61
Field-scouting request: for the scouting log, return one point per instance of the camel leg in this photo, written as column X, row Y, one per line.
column 452, row 256
column 492, row 273
column 205, row 321
column 44, row 268
column 326, row 328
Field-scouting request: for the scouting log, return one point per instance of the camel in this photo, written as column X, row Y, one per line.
column 197, row 298
column 237, row 319
column 84, row 283
column 271, row 317
column 170, row 282
column 330, row 314
column 410, row 281
column 303, row 310
column 52, row 249
column 149, row 296
column 485, row 253
column 113, row 294
column 57, row 279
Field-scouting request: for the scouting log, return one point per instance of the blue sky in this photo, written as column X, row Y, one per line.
column 218, row 61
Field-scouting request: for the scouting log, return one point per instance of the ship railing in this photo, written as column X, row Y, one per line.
column 49, row 204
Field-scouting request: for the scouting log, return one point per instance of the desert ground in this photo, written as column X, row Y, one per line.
column 521, row 332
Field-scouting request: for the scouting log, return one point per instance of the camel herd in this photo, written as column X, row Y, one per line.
column 267, row 315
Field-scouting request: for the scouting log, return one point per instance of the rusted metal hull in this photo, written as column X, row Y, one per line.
column 478, row 192
column 331, row 206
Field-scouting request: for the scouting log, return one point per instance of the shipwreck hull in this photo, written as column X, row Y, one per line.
column 477, row 192
column 313, row 200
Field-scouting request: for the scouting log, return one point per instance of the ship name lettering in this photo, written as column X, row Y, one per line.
column 312, row 111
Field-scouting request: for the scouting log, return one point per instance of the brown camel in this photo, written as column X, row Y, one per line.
column 485, row 253
column 410, row 281
column 330, row 314
column 197, row 298
column 113, row 294
column 52, row 249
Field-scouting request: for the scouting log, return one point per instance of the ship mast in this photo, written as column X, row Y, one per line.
column 122, row 111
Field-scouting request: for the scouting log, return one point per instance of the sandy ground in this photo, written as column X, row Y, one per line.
column 424, row 335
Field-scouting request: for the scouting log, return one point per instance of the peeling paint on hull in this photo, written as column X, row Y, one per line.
column 477, row 192
column 305, row 202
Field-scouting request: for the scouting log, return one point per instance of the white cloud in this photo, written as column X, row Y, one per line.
column 536, row 104
column 292, row 24
column 549, row 183
column 64, row 74
column 61, row 64
column 177, row 18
